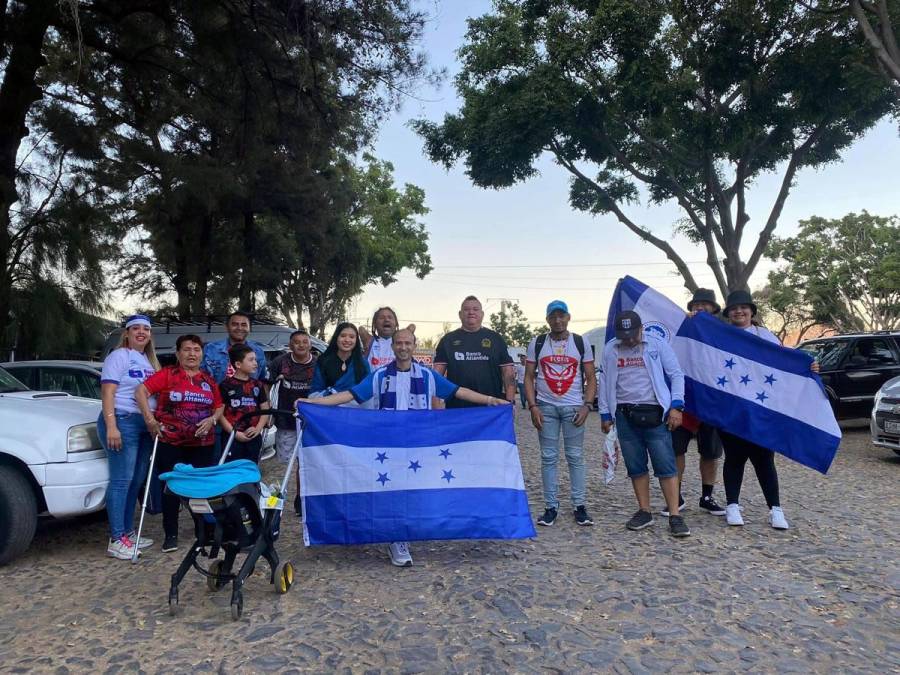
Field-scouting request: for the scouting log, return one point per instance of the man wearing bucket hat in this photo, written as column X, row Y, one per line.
column 636, row 397
column 709, row 445
column 559, row 385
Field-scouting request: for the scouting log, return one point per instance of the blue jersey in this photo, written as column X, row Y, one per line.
column 216, row 362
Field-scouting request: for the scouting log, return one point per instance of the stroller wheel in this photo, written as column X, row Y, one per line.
column 212, row 582
column 284, row 577
column 173, row 601
column 237, row 606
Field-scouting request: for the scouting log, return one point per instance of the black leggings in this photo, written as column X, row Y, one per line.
column 737, row 452
column 167, row 456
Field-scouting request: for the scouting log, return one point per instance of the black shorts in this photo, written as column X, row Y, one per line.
column 708, row 442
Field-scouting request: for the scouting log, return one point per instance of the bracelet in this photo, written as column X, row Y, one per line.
column 112, row 414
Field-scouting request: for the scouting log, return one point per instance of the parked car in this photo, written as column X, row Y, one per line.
column 51, row 460
column 885, row 421
column 79, row 378
column 854, row 367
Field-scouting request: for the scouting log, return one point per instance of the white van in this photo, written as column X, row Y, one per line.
column 51, row 460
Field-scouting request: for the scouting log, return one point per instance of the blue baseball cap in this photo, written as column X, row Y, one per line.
column 557, row 305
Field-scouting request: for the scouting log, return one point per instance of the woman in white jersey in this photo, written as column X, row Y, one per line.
column 123, row 432
column 739, row 312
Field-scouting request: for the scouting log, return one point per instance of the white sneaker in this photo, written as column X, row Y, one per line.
column 777, row 519
column 145, row 542
column 121, row 548
column 400, row 554
column 733, row 514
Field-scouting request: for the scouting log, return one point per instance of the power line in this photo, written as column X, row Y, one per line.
column 566, row 265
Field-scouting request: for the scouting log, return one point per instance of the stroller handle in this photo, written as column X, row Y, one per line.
column 270, row 411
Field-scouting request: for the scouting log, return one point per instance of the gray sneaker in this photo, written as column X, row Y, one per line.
column 400, row 555
column 640, row 520
column 678, row 528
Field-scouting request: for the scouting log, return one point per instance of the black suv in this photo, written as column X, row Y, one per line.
column 853, row 368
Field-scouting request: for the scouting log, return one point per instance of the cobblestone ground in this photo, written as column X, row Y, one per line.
column 820, row 597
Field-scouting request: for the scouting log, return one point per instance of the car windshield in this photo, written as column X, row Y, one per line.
column 9, row 384
column 827, row 352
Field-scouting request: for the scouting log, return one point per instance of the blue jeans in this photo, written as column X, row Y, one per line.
column 127, row 470
column 638, row 443
column 521, row 387
column 556, row 418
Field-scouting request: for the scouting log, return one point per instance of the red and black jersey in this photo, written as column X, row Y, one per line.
column 241, row 397
column 183, row 401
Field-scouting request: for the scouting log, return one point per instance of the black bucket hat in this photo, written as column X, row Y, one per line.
column 704, row 295
column 739, row 298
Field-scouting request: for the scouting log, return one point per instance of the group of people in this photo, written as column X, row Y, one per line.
column 225, row 386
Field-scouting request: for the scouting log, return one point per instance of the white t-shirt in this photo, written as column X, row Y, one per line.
column 381, row 352
column 520, row 373
column 127, row 368
column 764, row 333
column 559, row 380
column 633, row 383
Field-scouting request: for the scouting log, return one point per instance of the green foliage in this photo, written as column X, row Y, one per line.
column 511, row 323
column 689, row 101
column 844, row 273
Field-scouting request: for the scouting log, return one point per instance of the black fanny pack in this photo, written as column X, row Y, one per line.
column 643, row 415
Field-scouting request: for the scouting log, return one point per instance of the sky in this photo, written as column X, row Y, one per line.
column 526, row 244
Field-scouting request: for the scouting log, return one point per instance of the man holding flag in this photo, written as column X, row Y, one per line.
column 405, row 385
column 740, row 380
column 635, row 397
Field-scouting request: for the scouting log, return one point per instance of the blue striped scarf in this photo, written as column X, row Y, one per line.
column 421, row 386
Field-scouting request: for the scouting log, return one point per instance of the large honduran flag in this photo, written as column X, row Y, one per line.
column 371, row 476
column 736, row 381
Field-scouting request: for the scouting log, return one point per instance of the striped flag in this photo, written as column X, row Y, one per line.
column 738, row 382
column 381, row 476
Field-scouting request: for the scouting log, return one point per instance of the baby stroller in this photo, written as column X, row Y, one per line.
column 233, row 511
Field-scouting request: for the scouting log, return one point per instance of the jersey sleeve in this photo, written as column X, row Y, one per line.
column 588, row 352
column 158, row 381
column 440, row 354
column 114, row 367
column 443, row 388
column 263, row 394
column 364, row 391
column 502, row 352
column 530, row 356
column 216, row 394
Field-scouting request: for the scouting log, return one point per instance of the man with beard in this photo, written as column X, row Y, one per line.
column 215, row 354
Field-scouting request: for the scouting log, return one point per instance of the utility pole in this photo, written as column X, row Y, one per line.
column 504, row 304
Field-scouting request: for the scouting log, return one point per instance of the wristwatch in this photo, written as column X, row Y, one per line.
column 679, row 408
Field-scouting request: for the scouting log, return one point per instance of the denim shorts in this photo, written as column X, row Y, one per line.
column 637, row 444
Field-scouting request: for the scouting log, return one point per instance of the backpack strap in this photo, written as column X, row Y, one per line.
column 539, row 345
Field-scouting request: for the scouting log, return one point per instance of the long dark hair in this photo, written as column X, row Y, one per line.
column 330, row 362
column 379, row 311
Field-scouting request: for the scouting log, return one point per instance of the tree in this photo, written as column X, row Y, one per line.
column 691, row 101
column 369, row 233
column 512, row 324
column 843, row 272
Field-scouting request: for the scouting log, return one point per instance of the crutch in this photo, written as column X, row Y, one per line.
column 137, row 541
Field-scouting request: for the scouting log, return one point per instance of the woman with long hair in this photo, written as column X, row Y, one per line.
column 123, row 432
column 341, row 365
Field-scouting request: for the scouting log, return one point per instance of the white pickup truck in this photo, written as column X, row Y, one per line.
column 51, row 460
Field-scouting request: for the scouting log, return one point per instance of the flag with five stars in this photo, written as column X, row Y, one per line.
column 370, row 476
column 737, row 381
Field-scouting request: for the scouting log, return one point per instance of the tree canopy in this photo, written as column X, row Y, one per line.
column 677, row 101
column 512, row 324
column 843, row 273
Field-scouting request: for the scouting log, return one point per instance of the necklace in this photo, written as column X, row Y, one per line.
column 343, row 366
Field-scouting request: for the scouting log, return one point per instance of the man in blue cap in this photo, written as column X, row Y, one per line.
column 560, row 383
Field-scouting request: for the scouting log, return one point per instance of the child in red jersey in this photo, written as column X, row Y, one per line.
column 243, row 394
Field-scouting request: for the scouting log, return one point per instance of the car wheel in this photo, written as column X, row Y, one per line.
column 18, row 514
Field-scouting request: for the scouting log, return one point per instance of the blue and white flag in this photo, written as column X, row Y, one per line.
column 371, row 476
column 738, row 382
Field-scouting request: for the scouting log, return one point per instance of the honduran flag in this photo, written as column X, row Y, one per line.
column 736, row 381
column 371, row 476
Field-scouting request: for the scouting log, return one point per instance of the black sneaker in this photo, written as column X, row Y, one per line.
column 298, row 506
column 582, row 517
column 710, row 506
column 665, row 511
column 640, row 520
column 678, row 528
column 170, row 543
column 548, row 518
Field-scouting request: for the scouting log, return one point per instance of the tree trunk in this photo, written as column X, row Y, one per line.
column 17, row 94
column 247, row 287
column 204, row 268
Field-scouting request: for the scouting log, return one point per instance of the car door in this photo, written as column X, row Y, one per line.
column 870, row 362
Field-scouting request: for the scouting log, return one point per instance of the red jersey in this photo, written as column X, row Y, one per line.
column 241, row 397
column 183, row 401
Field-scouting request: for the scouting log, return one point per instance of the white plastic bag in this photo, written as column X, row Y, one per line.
column 610, row 456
